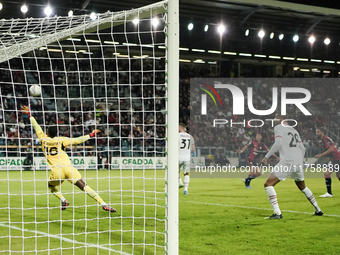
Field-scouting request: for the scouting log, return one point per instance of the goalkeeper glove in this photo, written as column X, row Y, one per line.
column 25, row 110
column 94, row 132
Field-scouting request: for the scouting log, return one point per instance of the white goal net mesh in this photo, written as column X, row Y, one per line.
column 105, row 73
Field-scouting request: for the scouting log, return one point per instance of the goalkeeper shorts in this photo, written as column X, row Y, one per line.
column 60, row 174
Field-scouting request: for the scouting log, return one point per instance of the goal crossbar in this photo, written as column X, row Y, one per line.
column 31, row 40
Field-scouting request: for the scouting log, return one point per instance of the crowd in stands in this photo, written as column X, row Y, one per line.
column 324, row 106
column 131, row 118
column 129, row 108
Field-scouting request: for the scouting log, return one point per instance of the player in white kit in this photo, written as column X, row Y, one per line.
column 292, row 151
column 186, row 145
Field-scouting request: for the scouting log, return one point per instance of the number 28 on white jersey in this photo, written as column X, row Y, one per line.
column 185, row 144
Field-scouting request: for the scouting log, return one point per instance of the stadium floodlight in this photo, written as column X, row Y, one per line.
column 92, row 41
column 245, row 54
column 111, row 42
column 198, row 50
column 311, row 39
column 48, row 11
column 221, row 29
column 74, row 39
column 214, row 51
column 327, row 41
column 72, row 51
column 206, row 27
column 247, row 32
column 261, row 33
column 229, row 53
column 130, row 44
column 190, row 26
column 93, row 15
column 70, row 13
column 201, row 61
column 24, row 8
column 295, row 38
column 155, row 22
column 135, row 21
column 1, row 6
column 271, row 35
column 55, row 50
column 281, row 37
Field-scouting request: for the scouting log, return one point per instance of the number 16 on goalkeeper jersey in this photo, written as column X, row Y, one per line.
column 61, row 167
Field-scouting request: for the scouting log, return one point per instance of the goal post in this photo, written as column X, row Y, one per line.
column 114, row 72
column 173, row 122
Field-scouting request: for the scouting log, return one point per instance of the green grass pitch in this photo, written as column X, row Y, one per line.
column 219, row 216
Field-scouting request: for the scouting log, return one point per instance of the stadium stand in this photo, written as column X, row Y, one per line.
column 14, row 134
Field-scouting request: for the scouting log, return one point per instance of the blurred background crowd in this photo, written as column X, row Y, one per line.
column 129, row 108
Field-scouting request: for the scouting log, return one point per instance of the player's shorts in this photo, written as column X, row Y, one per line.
column 334, row 166
column 60, row 174
column 251, row 162
column 284, row 169
column 185, row 166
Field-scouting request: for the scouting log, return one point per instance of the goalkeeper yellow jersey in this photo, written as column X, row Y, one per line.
column 54, row 148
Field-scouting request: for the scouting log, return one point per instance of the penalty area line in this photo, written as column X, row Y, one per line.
column 257, row 208
column 90, row 245
column 236, row 206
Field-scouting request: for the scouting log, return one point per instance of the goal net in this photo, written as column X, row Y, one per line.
column 104, row 72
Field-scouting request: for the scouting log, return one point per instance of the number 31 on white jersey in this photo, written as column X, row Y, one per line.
column 185, row 144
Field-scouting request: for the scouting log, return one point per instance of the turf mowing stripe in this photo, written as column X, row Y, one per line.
column 258, row 208
column 237, row 206
column 65, row 239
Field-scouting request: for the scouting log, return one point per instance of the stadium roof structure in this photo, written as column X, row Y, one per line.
column 277, row 17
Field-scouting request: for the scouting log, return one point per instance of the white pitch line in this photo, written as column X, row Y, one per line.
column 237, row 206
column 257, row 208
column 64, row 239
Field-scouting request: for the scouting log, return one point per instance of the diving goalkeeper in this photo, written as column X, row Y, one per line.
column 53, row 148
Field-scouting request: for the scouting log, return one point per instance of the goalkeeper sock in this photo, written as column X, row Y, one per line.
column 186, row 182
column 93, row 194
column 55, row 191
column 329, row 185
column 309, row 195
column 273, row 199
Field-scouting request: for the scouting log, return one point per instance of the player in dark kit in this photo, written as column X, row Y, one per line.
column 331, row 150
column 256, row 147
